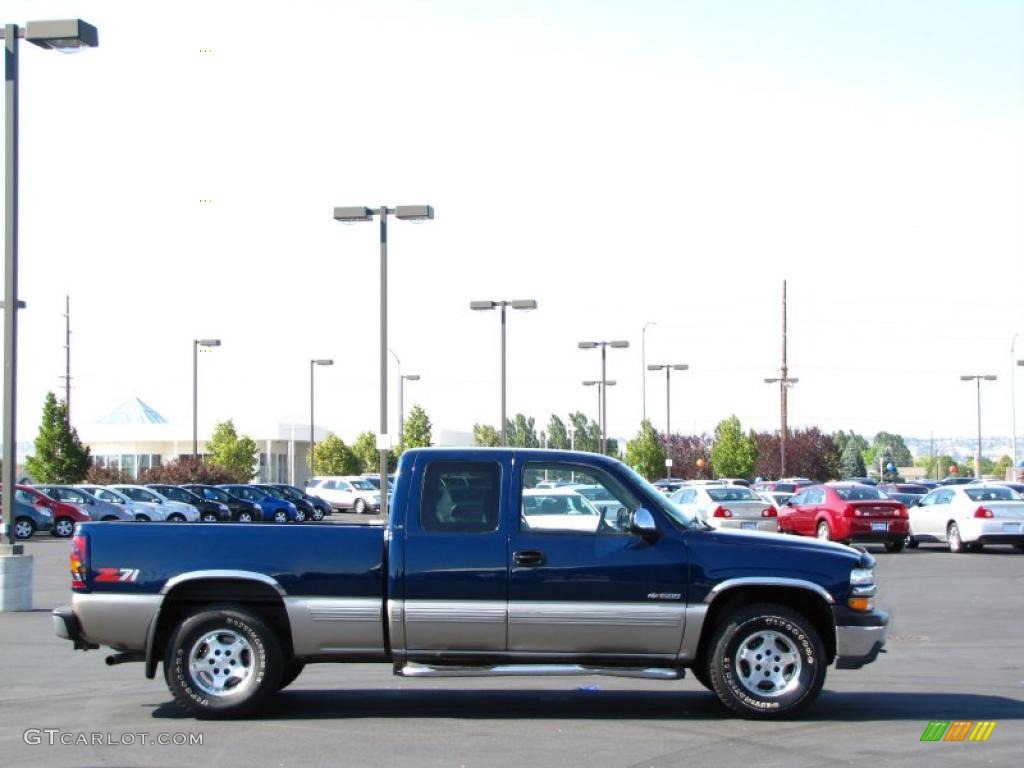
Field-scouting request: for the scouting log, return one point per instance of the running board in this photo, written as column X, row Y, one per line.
column 413, row 669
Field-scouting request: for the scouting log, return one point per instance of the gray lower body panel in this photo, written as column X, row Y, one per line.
column 118, row 620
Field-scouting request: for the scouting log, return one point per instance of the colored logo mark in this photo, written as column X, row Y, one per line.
column 958, row 730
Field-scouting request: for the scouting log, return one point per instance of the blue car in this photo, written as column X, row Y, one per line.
column 275, row 509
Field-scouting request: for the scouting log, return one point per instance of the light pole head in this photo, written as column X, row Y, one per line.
column 610, row 383
column 322, row 362
column 588, row 345
column 478, row 305
column 590, row 383
column 411, row 377
column 990, row 377
column 655, row 367
column 772, row 381
column 208, row 342
column 352, row 214
column 414, row 212
column 65, row 35
column 523, row 304
column 681, row 367
column 618, row 344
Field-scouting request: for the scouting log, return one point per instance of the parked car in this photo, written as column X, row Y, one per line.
column 86, row 502
column 316, row 505
column 734, row 481
column 64, row 515
column 346, row 492
column 272, row 508
column 846, row 512
column 172, row 511
column 912, row 488
column 967, row 517
column 557, row 509
column 28, row 516
column 143, row 511
column 726, row 506
column 242, row 510
column 303, row 509
column 600, row 497
column 375, row 481
column 777, row 499
column 209, row 511
column 774, row 485
column 668, row 485
column 956, row 480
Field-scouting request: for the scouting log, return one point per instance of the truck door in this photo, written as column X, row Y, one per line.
column 580, row 584
column 456, row 569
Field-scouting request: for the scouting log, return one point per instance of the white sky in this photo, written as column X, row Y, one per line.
column 620, row 162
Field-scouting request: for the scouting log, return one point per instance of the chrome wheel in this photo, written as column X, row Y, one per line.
column 767, row 664
column 360, row 507
column 318, row 514
column 300, row 516
column 956, row 544
column 24, row 528
column 221, row 663
column 823, row 532
column 280, row 516
column 245, row 517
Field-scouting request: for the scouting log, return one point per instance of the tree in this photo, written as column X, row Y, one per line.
column 521, row 432
column 586, row 435
column 733, row 454
column 685, row 451
column 558, row 435
column 851, row 464
column 892, row 447
column 486, row 436
column 235, row 454
column 644, row 452
column 60, row 456
column 332, row 457
column 184, row 470
column 366, row 452
column 809, row 453
column 417, row 429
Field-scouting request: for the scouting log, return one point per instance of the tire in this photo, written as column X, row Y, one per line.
column 281, row 516
column 300, row 516
column 318, row 514
column 823, row 531
column 175, row 518
column 244, row 517
column 209, row 517
column 142, row 519
column 63, row 527
column 24, row 527
column 895, row 546
column 209, row 689
column 359, row 507
column 292, row 670
column 912, row 543
column 1019, row 547
column 793, row 679
column 956, row 544
column 108, row 519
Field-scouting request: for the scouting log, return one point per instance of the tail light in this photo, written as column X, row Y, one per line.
column 79, row 561
column 901, row 511
column 721, row 512
column 769, row 512
column 983, row 512
column 849, row 510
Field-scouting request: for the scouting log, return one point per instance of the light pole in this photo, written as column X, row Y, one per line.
column 601, row 395
column 196, row 344
column 1019, row 362
column 503, row 305
column 313, row 363
column 978, row 377
column 643, row 371
column 784, row 382
column 62, row 34
column 401, row 394
column 668, row 393
column 351, row 215
column 603, row 416
column 1013, row 403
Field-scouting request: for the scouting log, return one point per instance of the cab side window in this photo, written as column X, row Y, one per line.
column 461, row 497
column 571, row 499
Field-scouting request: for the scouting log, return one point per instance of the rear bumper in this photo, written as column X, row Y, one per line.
column 66, row 627
column 860, row 637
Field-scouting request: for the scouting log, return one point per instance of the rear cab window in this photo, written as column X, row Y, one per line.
column 461, row 497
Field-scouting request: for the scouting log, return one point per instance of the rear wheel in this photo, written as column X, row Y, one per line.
column 318, row 514
column 359, row 507
column 176, row 518
column 280, row 516
column 912, row 543
column 223, row 662
column 142, row 518
column 956, row 544
column 894, row 546
column 300, row 516
column 109, row 519
column 63, row 527
column 823, row 531
column 24, row 528
column 209, row 517
column 244, row 517
column 767, row 662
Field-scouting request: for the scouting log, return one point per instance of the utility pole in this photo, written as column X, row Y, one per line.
column 67, row 356
column 784, row 382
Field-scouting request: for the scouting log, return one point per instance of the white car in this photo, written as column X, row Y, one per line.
column 966, row 517
column 172, row 511
column 346, row 492
column 140, row 510
column 727, row 506
column 558, row 509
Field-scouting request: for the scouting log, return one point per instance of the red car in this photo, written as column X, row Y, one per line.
column 846, row 512
column 64, row 515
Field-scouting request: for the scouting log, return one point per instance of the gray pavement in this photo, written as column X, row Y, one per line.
column 954, row 654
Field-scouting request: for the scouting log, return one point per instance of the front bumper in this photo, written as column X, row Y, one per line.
column 860, row 637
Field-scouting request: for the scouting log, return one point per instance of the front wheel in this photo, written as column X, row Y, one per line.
column 359, row 507
column 175, row 518
column 956, row 544
column 280, row 516
column 141, row 518
column 223, row 662
column 244, row 517
column 24, row 528
column 318, row 514
column 823, row 531
column 63, row 528
column 300, row 516
column 767, row 662
column 209, row 517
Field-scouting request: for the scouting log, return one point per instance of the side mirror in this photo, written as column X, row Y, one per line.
column 641, row 523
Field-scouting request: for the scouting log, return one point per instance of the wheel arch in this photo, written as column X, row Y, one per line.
column 807, row 599
column 187, row 593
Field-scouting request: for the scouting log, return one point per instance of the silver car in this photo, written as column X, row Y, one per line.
column 174, row 511
column 144, row 511
column 86, row 502
column 727, row 506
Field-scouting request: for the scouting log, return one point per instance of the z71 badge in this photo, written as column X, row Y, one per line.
column 117, row 574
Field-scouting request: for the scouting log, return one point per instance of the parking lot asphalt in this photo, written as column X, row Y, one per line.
column 954, row 653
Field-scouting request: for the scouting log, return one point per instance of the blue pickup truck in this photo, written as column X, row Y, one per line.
column 479, row 571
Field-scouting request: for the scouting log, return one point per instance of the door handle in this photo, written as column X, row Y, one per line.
column 528, row 558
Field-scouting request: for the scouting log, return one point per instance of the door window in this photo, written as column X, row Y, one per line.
column 566, row 508
column 461, row 497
